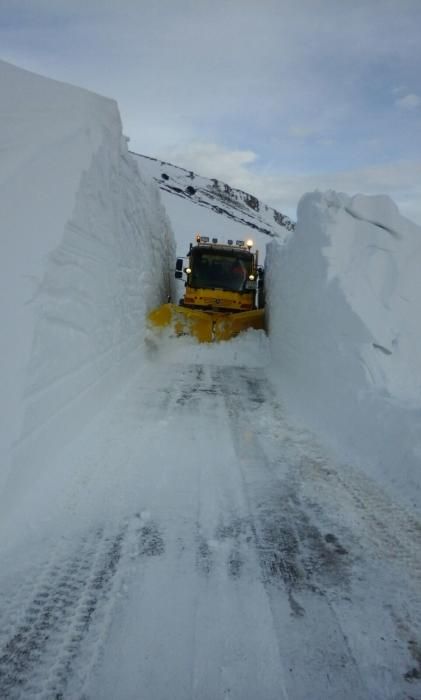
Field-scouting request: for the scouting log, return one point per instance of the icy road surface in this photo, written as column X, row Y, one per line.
column 195, row 544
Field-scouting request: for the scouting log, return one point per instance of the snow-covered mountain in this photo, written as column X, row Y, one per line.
column 209, row 206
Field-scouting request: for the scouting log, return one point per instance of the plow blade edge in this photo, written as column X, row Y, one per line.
column 206, row 326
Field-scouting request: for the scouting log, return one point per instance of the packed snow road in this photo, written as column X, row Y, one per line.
column 195, row 544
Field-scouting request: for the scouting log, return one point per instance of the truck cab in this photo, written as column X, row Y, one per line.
column 220, row 277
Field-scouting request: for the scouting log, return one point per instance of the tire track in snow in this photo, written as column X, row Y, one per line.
column 300, row 546
column 311, row 566
column 247, row 527
column 296, row 561
column 281, row 527
column 392, row 531
column 69, row 603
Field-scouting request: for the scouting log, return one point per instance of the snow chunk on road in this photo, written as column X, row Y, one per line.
column 344, row 300
column 86, row 250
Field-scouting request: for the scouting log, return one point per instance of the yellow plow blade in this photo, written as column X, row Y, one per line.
column 206, row 326
column 227, row 326
column 183, row 321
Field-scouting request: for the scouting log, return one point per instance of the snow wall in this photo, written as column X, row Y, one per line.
column 344, row 308
column 85, row 251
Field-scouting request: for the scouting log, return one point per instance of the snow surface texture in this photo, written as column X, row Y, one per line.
column 344, row 298
column 193, row 544
column 189, row 540
column 86, row 246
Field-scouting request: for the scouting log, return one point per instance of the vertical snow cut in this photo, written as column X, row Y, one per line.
column 344, row 298
column 86, row 250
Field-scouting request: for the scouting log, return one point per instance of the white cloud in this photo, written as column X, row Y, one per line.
column 212, row 160
column 400, row 180
column 410, row 101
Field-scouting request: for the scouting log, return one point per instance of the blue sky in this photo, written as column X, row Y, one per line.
column 275, row 96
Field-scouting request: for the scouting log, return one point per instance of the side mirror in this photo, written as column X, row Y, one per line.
column 179, row 265
column 178, row 275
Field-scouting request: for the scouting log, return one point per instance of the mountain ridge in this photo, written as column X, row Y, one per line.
column 216, row 195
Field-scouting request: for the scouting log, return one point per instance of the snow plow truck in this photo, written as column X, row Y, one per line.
column 224, row 292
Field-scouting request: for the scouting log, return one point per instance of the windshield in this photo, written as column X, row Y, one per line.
column 222, row 271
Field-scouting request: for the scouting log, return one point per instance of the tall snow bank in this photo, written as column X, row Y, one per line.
column 344, row 307
column 85, row 249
